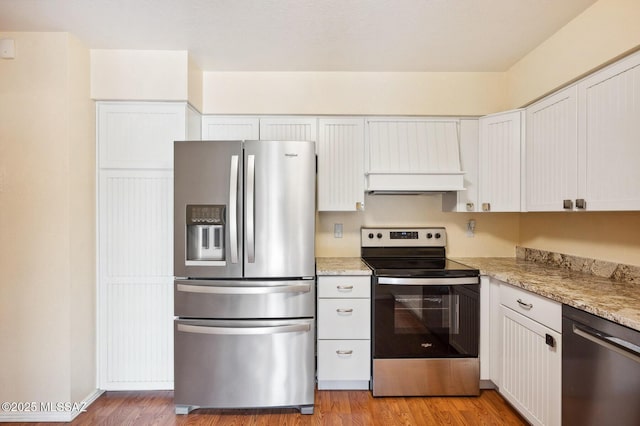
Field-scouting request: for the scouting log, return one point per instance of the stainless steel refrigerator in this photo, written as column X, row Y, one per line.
column 244, row 292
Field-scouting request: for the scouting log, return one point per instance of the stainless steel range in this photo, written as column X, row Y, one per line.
column 425, row 314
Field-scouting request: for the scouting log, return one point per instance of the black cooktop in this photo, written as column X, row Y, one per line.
column 426, row 268
column 410, row 252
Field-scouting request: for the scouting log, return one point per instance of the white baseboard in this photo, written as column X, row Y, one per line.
column 47, row 411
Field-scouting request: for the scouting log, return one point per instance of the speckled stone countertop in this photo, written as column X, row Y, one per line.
column 618, row 301
column 341, row 266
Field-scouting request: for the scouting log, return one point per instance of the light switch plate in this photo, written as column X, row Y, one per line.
column 7, row 48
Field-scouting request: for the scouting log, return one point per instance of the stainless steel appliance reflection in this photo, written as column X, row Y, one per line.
column 426, row 315
column 244, row 293
column 600, row 371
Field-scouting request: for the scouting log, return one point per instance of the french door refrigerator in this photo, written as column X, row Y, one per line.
column 244, row 292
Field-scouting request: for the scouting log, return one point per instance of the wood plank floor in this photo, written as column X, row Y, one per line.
column 331, row 408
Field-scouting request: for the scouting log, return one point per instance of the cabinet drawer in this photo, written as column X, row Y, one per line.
column 346, row 286
column 344, row 319
column 538, row 308
column 344, row 359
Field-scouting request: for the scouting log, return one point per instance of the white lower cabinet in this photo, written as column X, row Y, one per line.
column 530, row 377
column 344, row 332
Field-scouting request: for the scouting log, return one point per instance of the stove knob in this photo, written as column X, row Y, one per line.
column 429, row 235
column 370, row 234
column 438, row 235
column 379, row 235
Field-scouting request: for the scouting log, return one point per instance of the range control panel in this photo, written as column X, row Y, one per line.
column 403, row 237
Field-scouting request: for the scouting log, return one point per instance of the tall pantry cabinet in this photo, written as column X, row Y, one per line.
column 135, row 240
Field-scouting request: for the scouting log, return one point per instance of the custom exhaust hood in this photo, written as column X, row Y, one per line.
column 413, row 156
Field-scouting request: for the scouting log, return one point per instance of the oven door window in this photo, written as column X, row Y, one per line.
column 413, row 321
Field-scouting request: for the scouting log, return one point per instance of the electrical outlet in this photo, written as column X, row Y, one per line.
column 337, row 230
column 471, row 228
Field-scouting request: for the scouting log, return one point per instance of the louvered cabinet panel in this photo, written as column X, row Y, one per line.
column 609, row 135
column 340, row 164
column 139, row 135
column 551, row 166
column 499, row 167
column 135, row 279
column 531, row 369
column 289, row 128
column 225, row 128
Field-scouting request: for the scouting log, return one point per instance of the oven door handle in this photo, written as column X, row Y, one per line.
column 428, row 281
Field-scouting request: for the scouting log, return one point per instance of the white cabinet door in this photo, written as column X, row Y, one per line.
column 499, row 167
column 220, row 128
column 608, row 137
column 289, row 128
column 340, row 164
column 551, row 167
column 139, row 135
column 531, row 368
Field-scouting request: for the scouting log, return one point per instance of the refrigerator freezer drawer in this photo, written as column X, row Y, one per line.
column 240, row 299
column 244, row 364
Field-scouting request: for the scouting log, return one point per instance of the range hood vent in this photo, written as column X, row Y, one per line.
column 412, row 156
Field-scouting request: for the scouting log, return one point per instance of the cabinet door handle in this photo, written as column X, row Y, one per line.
column 344, row 310
column 344, row 352
column 345, row 287
column 567, row 204
column 526, row 306
column 581, row 203
column 486, row 207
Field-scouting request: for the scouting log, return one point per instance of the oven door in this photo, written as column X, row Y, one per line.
column 426, row 317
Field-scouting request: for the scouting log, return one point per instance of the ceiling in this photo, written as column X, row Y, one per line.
column 308, row 35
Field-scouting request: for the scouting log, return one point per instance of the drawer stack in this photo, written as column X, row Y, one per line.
column 344, row 332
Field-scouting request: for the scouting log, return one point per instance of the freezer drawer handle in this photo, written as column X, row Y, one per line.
column 612, row 343
column 233, row 209
column 296, row 288
column 292, row 328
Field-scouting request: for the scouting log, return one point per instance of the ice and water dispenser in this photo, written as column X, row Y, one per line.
column 205, row 232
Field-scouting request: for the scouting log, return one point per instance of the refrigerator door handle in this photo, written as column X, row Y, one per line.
column 233, row 208
column 295, row 288
column 250, row 225
column 293, row 328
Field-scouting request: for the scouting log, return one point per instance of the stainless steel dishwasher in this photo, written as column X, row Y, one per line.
column 600, row 371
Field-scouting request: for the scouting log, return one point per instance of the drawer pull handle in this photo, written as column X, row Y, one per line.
column 526, row 306
column 344, row 311
column 343, row 352
column 345, row 287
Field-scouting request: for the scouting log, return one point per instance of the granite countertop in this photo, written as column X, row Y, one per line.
column 341, row 266
column 614, row 300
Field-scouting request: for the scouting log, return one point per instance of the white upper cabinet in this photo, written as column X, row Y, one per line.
column 340, row 164
column 139, row 135
column 289, row 128
column 216, row 128
column 551, row 167
column 609, row 137
column 412, row 154
column 499, row 167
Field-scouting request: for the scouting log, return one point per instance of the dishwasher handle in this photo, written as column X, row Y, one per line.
column 622, row 347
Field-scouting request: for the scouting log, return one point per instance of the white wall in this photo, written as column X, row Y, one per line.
column 402, row 93
column 47, row 221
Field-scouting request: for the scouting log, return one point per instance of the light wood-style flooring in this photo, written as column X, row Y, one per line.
column 331, row 408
